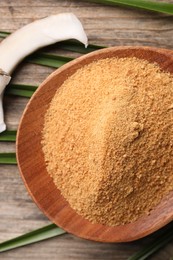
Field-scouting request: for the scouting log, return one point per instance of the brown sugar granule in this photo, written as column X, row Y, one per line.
column 108, row 139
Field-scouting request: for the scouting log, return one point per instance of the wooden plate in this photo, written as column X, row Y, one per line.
column 32, row 165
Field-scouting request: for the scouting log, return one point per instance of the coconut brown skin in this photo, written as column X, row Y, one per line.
column 107, row 139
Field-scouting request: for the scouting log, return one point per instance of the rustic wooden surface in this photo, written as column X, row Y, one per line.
column 105, row 26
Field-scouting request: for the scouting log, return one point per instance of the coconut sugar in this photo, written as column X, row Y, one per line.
column 108, row 139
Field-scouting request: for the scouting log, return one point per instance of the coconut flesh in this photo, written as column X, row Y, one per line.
column 31, row 37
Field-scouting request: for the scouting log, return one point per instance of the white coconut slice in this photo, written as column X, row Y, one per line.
column 31, row 37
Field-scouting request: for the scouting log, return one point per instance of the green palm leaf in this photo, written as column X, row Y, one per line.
column 78, row 47
column 8, row 136
column 4, row 34
column 32, row 237
column 160, row 241
column 23, row 87
column 50, row 60
column 20, row 90
column 161, row 7
column 8, row 158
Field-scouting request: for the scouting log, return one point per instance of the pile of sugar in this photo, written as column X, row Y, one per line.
column 108, row 139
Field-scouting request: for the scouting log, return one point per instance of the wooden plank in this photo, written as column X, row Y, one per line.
column 106, row 26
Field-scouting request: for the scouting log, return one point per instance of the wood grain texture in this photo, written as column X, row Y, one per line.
column 33, row 168
column 104, row 25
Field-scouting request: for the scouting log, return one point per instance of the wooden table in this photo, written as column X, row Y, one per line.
column 105, row 26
